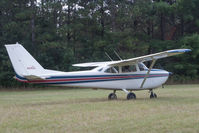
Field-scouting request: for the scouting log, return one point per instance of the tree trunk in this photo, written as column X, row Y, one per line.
column 162, row 26
column 42, row 7
column 68, row 22
column 33, row 24
column 102, row 19
column 148, row 27
column 152, row 30
column 182, row 25
column 113, row 14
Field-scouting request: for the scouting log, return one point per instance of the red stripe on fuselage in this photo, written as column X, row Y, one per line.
column 84, row 79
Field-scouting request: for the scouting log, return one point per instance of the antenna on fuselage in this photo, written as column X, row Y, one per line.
column 117, row 55
column 108, row 56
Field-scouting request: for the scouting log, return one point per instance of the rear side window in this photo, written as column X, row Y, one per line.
column 111, row 70
column 129, row 68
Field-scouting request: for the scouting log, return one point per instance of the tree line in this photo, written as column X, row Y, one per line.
column 59, row 33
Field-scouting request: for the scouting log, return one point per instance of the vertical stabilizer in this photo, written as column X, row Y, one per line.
column 23, row 63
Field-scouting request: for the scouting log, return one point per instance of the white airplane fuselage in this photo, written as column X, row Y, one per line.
column 98, row 79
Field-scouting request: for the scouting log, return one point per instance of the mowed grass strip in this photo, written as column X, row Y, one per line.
column 176, row 110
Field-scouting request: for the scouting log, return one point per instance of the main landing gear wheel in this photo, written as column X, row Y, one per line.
column 112, row 96
column 153, row 95
column 131, row 96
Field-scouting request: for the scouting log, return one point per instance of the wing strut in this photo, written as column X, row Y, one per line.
column 151, row 66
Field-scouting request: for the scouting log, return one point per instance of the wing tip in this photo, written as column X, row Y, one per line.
column 179, row 51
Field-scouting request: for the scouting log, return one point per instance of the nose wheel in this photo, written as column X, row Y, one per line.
column 152, row 95
column 112, row 96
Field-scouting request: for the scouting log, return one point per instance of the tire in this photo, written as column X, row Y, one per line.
column 153, row 95
column 112, row 96
column 131, row 96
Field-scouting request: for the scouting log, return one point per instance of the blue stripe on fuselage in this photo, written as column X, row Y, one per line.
column 93, row 76
column 19, row 77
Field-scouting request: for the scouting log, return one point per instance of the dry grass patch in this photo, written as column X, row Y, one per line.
column 176, row 110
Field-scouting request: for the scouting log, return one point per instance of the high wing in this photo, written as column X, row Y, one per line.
column 135, row 60
column 149, row 57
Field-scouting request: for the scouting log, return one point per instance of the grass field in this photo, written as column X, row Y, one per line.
column 176, row 110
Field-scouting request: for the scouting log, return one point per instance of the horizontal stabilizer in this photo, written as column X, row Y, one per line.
column 34, row 77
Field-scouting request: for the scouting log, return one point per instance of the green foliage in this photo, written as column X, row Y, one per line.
column 60, row 33
column 162, row 7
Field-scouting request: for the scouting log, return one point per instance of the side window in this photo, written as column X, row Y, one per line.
column 129, row 68
column 141, row 67
column 112, row 70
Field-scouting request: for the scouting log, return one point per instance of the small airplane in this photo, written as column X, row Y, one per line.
column 126, row 75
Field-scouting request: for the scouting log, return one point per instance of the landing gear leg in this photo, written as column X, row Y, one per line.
column 152, row 95
column 112, row 96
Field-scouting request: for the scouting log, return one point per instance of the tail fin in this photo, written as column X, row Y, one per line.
column 24, row 64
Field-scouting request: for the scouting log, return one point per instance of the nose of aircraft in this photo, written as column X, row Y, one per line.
column 166, row 72
column 170, row 73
